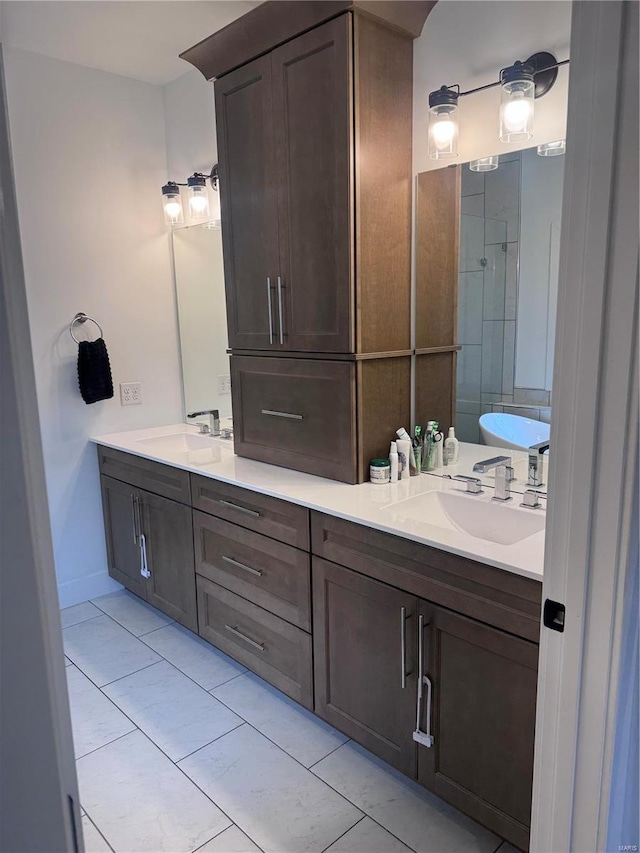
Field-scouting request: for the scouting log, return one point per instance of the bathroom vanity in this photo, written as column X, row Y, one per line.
column 373, row 606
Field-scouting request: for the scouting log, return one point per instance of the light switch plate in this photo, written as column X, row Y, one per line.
column 130, row 393
column 224, row 384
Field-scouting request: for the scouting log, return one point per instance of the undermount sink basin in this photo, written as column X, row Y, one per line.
column 181, row 442
column 476, row 516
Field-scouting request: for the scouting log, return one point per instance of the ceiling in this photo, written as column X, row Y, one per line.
column 134, row 38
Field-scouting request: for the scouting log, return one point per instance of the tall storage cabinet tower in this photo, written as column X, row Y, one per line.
column 314, row 124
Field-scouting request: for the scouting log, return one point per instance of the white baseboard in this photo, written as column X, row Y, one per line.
column 82, row 589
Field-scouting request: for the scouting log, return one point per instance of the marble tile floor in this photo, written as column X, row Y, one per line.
column 181, row 749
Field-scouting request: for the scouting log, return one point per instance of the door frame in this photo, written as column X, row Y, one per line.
column 593, row 467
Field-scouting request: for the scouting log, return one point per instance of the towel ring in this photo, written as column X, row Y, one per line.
column 82, row 318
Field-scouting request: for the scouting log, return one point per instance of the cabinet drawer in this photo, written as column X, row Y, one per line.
column 269, row 646
column 266, row 572
column 499, row 598
column 297, row 413
column 153, row 476
column 278, row 519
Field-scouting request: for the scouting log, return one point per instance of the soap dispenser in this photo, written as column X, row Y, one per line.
column 451, row 447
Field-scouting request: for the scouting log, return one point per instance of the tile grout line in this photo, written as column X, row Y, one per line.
column 86, row 814
column 129, row 674
column 233, row 825
column 108, row 743
column 335, row 749
column 344, row 833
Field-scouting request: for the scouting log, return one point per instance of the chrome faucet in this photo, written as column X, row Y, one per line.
column 213, row 428
column 535, row 463
column 474, row 484
column 504, row 475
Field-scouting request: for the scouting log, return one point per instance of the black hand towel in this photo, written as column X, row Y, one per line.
column 94, row 371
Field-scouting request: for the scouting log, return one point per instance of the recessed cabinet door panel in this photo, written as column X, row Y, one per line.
column 363, row 633
column 313, row 121
column 121, row 531
column 168, row 530
column 248, row 202
column 483, row 718
column 297, row 413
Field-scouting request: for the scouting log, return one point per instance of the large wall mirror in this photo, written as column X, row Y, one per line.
column 197, row 251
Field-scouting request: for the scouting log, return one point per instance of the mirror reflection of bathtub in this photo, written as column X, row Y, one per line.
column 498, row 429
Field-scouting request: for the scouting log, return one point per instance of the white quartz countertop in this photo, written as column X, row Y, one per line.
column 383, row 507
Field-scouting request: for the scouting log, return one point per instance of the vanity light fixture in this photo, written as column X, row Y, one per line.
column 552, row 149
column 199, row 209
column 520, row 83
column 485, row 164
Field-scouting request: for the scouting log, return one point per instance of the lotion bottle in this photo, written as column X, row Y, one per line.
column 393, row 460
column 451, row 447
column 404, row 453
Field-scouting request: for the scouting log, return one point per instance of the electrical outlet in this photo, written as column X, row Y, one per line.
column 224, row 384
column 130, row 393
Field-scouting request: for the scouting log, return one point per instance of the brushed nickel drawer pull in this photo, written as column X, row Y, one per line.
column 241, row 508
column 281, row 325
column 403, row 647
column 282, row 415
column 233, row 630
column 135, row 522
column 238, row 565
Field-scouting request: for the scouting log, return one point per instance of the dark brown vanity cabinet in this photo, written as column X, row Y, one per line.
column 284, row 140
column 150, row 537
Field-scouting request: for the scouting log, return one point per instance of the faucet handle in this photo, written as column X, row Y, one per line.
column 474, row 484
column 204, row 429
column 531, row 499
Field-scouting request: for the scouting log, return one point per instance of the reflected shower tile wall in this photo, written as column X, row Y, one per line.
column 495, row 231
column 473, row 204
column 470, row 296
column 471, row 243
column 472, row 182
column 494, row 282
column 492, row 355
column 469, row 373
column 509, row 357
column 502, row 196
column 511, row 282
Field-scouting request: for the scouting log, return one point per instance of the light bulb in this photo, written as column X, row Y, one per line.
column 199, row 204
column 172, row 204
column 443, row 132
column 443, row 124
column 198, row 198
column 516, row 112
column 173, row 209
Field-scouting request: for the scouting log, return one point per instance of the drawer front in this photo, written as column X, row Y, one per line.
column 271, row 647
column 153, row 476
column 277, row 519
column 266, row 572
column 499, row 598
column 297, row 413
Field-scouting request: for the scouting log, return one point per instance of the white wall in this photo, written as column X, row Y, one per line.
column 540, row 219
column 467, row 42
column 190, row 125
column 90, row 158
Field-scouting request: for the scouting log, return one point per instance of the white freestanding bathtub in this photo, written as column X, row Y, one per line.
column 501, row 430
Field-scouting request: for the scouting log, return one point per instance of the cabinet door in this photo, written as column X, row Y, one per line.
column 365, row 679
column 121, row 525
column 483, row 717
column 249, row 205
column 313, row 121
column 168, row 530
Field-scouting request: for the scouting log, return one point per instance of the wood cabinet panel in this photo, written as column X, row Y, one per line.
column 268, row 573
column 297, row 413
column 499, row 598
column 483, row 718
column 312, row 108
column 121, row 532
column 152, row 476
column 269, row 646
column 278, row 519
column 435, row 378
column 244, row 122
column 364, row 655
column 168, row 531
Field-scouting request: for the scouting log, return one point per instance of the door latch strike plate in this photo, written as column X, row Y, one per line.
column 553, row 615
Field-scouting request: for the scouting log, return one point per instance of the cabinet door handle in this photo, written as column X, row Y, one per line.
column 403, row 646
column 281, row 326
column 135, row 520
column 423, row 737
column 269, row 306
column 234, row 630
column 238, row 565
column 241, row 508
column 282, row 415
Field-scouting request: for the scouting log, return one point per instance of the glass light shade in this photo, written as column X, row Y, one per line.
column 443, row 132
column 552, row 149
column 516, row 110
column 485, row 164
column 198, row 202
column 172, row 205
